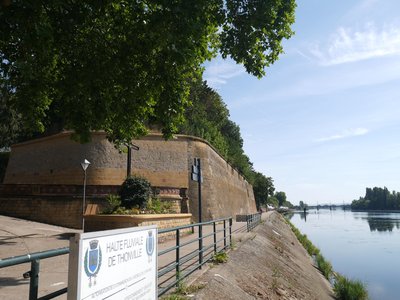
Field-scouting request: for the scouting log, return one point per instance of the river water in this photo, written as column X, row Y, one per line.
column 360, row 245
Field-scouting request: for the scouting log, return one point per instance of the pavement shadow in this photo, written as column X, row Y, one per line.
column 240, row 229
column 7, row 243
column 12, row 281
column 64, row 236
column 11, row 240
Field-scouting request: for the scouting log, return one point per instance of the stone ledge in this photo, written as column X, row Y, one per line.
column 137, row 218
column 108, row 222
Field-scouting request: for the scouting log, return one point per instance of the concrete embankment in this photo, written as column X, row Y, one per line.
column 270, row 264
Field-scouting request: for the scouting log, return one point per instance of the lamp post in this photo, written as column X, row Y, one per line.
column 129, row 159
column 85, row 164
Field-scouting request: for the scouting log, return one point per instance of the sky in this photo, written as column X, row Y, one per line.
column 324, row 122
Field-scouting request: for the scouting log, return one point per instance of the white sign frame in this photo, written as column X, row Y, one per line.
column 113, row 252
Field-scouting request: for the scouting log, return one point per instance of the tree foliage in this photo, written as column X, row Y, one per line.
column 273, row 201
column 263, row 188
column 281, row 196
column 10, row 124
column 120, row 65
column 208, row 118
column 378, row 199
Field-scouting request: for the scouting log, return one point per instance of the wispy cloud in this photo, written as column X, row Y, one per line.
column 348, row 45
column 220, row 71
column 345, row 134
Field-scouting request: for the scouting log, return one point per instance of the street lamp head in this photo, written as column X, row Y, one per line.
column 85, row 164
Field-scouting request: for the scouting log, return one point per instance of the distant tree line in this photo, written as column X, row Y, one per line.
column 378, row 199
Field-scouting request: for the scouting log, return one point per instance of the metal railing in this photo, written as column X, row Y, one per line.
column 253, row 220
column 212, row 237
column 33, row 274
column 192, row 254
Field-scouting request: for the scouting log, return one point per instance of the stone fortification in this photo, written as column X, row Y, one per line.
column 55, row 160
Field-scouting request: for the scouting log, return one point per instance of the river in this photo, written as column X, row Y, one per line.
column 360, row 245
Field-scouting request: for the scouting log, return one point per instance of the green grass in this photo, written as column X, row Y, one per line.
column 220, row 258
column 324, row 266
column 344, row 288
column 183, row 291
column 347, row 289
column 233, row 243
column 303, row 239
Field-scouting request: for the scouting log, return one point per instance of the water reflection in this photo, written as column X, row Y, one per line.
column 360, row 245
column 381, row 222
column 289, row 215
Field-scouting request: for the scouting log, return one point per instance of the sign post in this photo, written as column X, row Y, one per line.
column 114, row 264
column 196, row 176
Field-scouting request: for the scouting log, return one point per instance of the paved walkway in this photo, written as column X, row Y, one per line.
column 19, row 237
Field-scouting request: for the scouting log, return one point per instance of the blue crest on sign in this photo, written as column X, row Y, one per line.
column 150, row 244
column 92, row 261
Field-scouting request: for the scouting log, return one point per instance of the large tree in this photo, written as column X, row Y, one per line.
column 120, row 65
column 206, row 116
column 281, row 196
column 263, row 188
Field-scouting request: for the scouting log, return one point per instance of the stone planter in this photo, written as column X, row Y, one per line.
column 107, row 222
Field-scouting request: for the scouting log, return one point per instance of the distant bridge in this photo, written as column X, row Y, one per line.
column 330, row 206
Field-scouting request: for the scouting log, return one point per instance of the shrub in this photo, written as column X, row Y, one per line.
column 156, row 206
column 135, row 192
column 113, row 201
column 346, row 289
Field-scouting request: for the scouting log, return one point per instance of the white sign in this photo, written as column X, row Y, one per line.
column 114, row 264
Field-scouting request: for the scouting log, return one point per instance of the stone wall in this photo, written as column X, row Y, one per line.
column 107, row 222
column 59, row 210
column 55, row 160
column 62, row 204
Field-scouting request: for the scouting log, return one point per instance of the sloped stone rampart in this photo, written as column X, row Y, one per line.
column 55, row 160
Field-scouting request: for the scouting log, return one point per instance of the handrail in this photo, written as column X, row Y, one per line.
column 33, row 274
column 26, row 258
column 253, row 220
column 171, row 274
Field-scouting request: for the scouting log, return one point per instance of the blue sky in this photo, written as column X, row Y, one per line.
column 325, row 120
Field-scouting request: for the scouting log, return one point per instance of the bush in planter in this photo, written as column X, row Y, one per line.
column 113, row 203
column 135, row 192
column 156, row 206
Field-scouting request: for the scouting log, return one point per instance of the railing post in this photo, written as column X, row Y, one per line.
column 230, row 232
column 224, row 234
column 177, row 258
column 200, row 245
column 215, row 237
column 248, row 222
column 34, row 281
